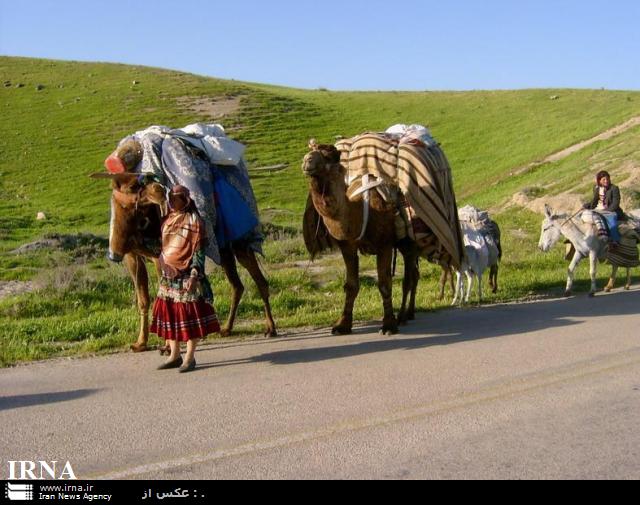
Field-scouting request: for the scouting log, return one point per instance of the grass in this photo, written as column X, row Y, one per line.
column 53, row 137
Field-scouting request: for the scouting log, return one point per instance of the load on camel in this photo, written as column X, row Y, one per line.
column 587, row 236
column 144, row 167
column 483, row 251
column 377, row 192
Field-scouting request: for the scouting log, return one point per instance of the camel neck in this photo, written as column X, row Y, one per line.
column 342, row 217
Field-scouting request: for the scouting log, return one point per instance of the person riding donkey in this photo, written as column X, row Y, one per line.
column 606, row 201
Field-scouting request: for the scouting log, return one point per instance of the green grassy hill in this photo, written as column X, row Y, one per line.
column 61, row 119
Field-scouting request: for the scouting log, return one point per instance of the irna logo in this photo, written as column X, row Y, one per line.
column 40, row 470
column 19, row 492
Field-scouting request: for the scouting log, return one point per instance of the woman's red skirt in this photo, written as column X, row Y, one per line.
column 183, row 321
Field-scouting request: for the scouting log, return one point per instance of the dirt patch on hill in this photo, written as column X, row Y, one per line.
column 570, row 201
column 560, row 155
column 626, row 176
column 212, row 108
column 15, row 288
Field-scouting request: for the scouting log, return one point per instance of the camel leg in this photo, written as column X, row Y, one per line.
column 411, row 311
column 351, row 288
column 443, row 282
column 138, row 271
column 593, row 270
column 228, row 262
column 577, row 257
column 451, row 281
column 409, row 285
column 612, row 280
column 385, row 280
column 166, row 348
column 248, row 260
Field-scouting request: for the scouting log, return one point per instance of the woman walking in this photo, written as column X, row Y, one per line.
column 183, row 310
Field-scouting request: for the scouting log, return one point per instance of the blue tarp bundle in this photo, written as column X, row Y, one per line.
column 222, row 193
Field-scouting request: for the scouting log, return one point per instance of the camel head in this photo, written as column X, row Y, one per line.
column 551, row 230
column 136, row 210
column 321, row 161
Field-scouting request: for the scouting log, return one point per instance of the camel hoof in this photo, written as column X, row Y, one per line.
column 627, row 288
column 568, row 294
column 225, row 332
column 139, row 347
column 403, row 319
column 389, row 329
column 607, row 290
column 340, row 331
column 271, row 334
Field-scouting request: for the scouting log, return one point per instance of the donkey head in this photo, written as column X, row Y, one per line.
column 136, row 210
column 322, row 160
column 551, row 230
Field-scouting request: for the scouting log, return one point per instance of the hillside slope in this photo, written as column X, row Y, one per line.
column 52, row 137
column 61, row 119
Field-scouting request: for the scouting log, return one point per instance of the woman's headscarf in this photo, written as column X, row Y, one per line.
column 182, row 236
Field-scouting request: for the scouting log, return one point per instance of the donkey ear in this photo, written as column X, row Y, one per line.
column 548, row 211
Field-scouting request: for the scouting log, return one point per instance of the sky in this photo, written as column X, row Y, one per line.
column 345, row 44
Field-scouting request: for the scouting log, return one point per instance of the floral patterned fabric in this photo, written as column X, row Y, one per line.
column 172, row 157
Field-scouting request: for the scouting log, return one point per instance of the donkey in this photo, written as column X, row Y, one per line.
column 134, row 235
column 482, row 252
column 481, row 236
column 583, row 238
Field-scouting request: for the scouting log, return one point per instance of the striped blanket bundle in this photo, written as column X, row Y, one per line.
column 625, row 254
column 423, row 175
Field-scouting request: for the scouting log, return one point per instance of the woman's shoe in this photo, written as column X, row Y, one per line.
column 171, row 364
column 189, row 367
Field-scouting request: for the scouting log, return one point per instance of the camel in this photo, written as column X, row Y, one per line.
column 343, row 221
column 136, row 215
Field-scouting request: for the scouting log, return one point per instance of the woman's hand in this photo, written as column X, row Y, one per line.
column 191, row 284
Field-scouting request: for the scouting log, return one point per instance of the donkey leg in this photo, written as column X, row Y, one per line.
column 385, row 283
column 138, row 271
column 469, row 286
column 228, row 262
column 351, row 288
column 593, row 271
column 493, row 278
column 577, row 257
column 458, row 292
column 248, row 260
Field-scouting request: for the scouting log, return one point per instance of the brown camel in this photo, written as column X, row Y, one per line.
column 343, row 220
column 135, row 236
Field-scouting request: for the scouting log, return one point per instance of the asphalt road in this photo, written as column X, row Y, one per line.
column 540, row 390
